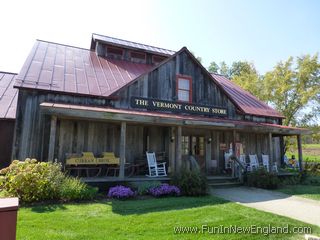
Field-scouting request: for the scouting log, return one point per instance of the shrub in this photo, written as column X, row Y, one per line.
column 191, row 183
column 312, row 168
column 33, row 181
column 311, row 180
column 290, row 180
column 143, row 188
column 120, row 192
column 262, row 179
column 73, row 189
column 164, row 190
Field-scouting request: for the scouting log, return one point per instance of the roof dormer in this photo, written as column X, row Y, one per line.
column 114, row 48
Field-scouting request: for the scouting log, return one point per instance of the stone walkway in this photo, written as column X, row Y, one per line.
column 299, row 208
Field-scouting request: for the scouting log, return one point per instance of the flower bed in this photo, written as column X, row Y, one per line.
column 120, row 192
column 164, row 190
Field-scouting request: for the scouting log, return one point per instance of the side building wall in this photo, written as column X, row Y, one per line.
column 6, row 139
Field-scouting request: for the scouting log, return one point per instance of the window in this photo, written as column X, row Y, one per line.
column 115, row 53
column 185, row 145
column 138, row 57
column 157, row 59
column 184, row 89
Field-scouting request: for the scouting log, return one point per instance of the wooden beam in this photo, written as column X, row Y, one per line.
column 100, row 113
column 281, row 150
column 172, row 150
column 206, row 123
column 52, row 140
column 122, row 149
column 178, row 148
column 299, row 152
column 271, row 160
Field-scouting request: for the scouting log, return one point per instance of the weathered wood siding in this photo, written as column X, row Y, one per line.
column 252, row 144
column 76, row 136
column 161, row 84
column 32, row 131
column 32, row 128
column 6, row 139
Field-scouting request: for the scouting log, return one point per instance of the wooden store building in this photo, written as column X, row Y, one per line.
column 121, row 99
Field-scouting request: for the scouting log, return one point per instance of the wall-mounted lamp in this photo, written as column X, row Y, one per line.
column 209, row 140
column 171, row 138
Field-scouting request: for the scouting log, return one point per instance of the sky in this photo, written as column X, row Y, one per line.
column 263, row 32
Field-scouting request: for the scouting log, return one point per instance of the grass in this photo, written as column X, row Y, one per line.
column 306, row 191
column 145, row 219
column 311, row 152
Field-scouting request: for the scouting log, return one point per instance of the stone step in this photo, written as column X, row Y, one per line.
column 221, row 179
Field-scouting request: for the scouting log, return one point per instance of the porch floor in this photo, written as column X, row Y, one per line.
column 142, row 179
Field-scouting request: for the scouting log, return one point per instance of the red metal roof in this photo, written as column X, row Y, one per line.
column 8, row 96
column 62, row 68
column 248, row 103
column 129, row 44
column 232, row 123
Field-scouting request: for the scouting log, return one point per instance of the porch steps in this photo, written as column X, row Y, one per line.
column 223, row 181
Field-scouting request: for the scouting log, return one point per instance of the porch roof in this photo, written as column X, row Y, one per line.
column 112, row 114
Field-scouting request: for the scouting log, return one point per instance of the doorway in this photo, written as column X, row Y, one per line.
column 194, row 146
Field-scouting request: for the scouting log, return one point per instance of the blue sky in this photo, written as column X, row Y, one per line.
column 263, row 32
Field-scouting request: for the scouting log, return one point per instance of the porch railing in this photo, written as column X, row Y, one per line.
column 238, row 169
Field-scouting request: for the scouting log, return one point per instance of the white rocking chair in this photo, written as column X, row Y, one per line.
column 227, row 162
column 254, row 163
column 155, row 169
column 265, row 162
column 243, row 161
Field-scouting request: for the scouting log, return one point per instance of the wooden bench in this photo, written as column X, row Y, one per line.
column 88, row 162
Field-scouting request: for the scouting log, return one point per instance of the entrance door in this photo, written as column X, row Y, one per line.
column 194, row 145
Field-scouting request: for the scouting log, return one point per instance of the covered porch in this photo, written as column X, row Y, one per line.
column 129, row 134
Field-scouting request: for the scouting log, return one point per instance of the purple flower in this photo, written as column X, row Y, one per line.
column 164, row 190
column 120, row 192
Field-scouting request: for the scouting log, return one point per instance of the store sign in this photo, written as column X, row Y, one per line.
column 179, row 107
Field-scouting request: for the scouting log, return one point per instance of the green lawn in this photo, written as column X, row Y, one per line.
column 307, row 191
column 311, row 152
column 145, row 219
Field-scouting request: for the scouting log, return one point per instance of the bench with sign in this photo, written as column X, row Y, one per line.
column 89, row 163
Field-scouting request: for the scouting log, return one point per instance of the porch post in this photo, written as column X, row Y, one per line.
column 52, row 140
column 122, row 149
column 234, row 136
column 271, row 160
column 178, row 149
column 208, row 144
column 234, row 139
column 299, row 152
column 172, row 150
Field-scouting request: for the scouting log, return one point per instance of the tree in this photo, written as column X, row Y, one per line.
column 198, row 58
column 245, row 75
column 242, row 73
column 291, row 86
column 224, row 69
column 213, row 67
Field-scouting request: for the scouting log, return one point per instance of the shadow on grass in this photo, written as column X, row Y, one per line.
column 313, row 191
column 129, row 207
column 47, row 208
